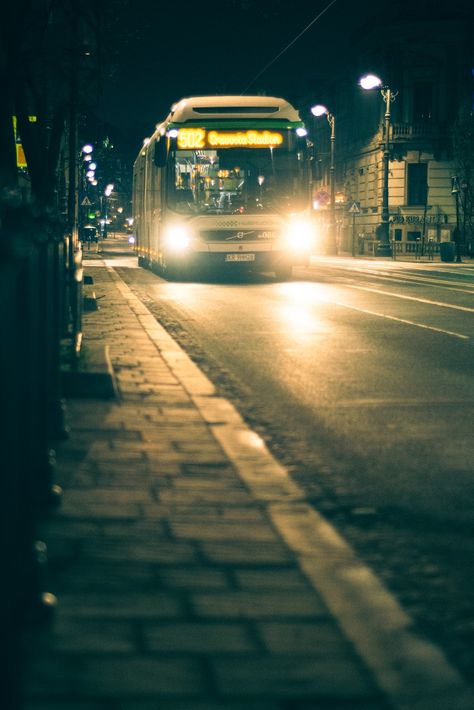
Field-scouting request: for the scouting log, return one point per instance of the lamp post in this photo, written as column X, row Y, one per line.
column 107, row 192
column 320, row 110
column 457, row 232
column 370, row 81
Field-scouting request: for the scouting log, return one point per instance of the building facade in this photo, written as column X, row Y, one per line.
column 427, row 62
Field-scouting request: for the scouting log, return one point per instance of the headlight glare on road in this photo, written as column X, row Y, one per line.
column 177, row 238
column 299, row 235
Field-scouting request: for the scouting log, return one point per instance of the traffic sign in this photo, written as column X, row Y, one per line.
column 86, row 202
column 354, row 208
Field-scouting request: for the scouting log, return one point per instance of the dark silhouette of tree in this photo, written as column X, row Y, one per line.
column 51, row 56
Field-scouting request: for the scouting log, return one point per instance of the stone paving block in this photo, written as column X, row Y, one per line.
column 192, row 578
column 98, row 509
column 59, row 531
column 127, row 479
column 201, row 638
column 321, row 638
column 199, row 447
column 215, row 530
column 160, row 459
column 191, row 432
column 82, row 476
column 192, row 469
column 141, row 677
column 258, row 605
column 114, row 578
column 218, row 513
column 114, row 497
column 154, row 550
column 215, row 482
column 277, row 578
column 132, row 605
column 112, row 457
column 174, row 414
column 134, row 389
column 135, row 530
column 89, row 636
column 290, row 678
column 128, row 371
column 229, row 553
column 199, row 495
column 112, row 434
column 161, row 469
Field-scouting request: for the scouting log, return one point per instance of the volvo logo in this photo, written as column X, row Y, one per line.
column 238, row 235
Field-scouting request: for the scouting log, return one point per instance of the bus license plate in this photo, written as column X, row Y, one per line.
column 240, row 257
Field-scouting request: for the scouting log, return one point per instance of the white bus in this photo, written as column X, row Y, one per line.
column 224, row 182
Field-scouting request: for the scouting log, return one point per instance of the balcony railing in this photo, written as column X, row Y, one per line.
column 412, row 131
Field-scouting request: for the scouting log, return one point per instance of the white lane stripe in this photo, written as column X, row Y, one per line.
column 418, row 281
column 409, row 278
column 413, row 298
column 402, row 320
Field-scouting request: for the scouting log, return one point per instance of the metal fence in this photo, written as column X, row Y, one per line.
column 37, row 294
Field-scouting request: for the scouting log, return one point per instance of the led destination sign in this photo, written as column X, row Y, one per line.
column 200, row 138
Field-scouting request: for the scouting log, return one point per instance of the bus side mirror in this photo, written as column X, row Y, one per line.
column 161, row 152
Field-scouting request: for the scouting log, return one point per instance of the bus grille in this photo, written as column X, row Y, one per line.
column 238, row 235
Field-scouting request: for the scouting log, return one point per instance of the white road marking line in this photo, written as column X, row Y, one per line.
column 402, row 320
column 440, row 304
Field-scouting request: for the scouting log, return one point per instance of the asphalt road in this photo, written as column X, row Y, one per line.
column 359, row 374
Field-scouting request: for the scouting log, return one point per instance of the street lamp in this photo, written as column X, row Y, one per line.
column 457, row 233
column 107, row 192
column 320, row 110
column 368, row 82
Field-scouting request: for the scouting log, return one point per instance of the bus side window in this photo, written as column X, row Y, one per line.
column 161, row 152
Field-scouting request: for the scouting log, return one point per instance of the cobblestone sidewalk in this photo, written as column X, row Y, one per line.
column 184, row 582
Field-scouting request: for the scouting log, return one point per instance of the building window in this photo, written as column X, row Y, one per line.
column 422, row 102
column 417, row 186
column 413, row 236
column 398, row 235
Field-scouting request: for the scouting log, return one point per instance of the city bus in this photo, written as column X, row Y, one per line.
column 223, row 183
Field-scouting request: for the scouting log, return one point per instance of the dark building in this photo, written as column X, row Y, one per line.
column 425, row 57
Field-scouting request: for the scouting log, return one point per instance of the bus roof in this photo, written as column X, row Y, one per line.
column 215, row 107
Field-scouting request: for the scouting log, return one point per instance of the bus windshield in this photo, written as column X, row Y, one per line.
column 238, row 180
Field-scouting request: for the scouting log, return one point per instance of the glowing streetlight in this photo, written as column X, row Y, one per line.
column 107, row 192
column 317, row 111
column 368, row 82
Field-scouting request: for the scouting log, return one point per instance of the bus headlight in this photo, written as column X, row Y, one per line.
column 299, row 235
column 177, row 238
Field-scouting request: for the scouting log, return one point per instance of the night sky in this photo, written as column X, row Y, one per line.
column 216, row 47
column 161, row 52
